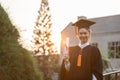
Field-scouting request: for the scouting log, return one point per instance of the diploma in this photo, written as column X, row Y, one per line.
column 67, row 63
column 67, row 45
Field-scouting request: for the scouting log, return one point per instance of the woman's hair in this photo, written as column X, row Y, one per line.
column 88, row 29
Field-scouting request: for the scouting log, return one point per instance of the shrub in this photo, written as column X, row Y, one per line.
column 16, row 63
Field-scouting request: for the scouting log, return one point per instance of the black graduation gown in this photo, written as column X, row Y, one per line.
column 91, row 64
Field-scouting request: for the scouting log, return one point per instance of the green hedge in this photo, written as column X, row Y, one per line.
column 16, row 63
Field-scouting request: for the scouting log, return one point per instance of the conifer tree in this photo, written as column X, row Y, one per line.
column 44, row 48
column 42, row 31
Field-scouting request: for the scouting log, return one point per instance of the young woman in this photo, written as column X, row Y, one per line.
column 84, row 60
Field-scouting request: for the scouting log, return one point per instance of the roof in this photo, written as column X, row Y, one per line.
column 106, row 24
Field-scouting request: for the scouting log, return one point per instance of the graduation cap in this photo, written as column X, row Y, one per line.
column 82, row 23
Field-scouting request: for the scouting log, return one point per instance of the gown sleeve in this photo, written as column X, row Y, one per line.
column 63, row 71
column 97, row 67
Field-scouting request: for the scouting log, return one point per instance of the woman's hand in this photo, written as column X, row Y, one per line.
column 67, row 62
column 66, row 58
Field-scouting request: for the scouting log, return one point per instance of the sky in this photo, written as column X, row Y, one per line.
column 23, row 13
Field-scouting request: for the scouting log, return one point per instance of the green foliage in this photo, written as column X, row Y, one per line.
column 49, row 64
column 105, row 63
column 111, row 53
column 44, row 48
column 43, row 44
column 16, row 63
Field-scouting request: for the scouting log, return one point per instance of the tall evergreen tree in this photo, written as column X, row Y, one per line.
column 44, row 48
column 42, row 31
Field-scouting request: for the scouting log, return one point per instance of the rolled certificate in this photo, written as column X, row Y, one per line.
column 67, row 45
column 67, row 62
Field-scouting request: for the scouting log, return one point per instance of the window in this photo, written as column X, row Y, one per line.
column 114, row 49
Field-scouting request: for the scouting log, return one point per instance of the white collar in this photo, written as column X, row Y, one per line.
column 83, row 45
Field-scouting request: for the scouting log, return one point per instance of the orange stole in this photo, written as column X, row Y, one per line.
column 79, row 59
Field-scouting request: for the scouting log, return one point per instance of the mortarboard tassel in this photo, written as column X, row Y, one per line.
column 79, row 59
column 76, row 30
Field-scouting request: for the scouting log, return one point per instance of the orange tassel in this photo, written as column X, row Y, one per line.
column 76, row 30
column 79, row 60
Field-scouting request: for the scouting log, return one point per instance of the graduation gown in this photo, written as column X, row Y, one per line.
column 91, row 64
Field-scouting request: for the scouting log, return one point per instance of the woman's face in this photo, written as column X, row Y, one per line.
column 83, row 35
